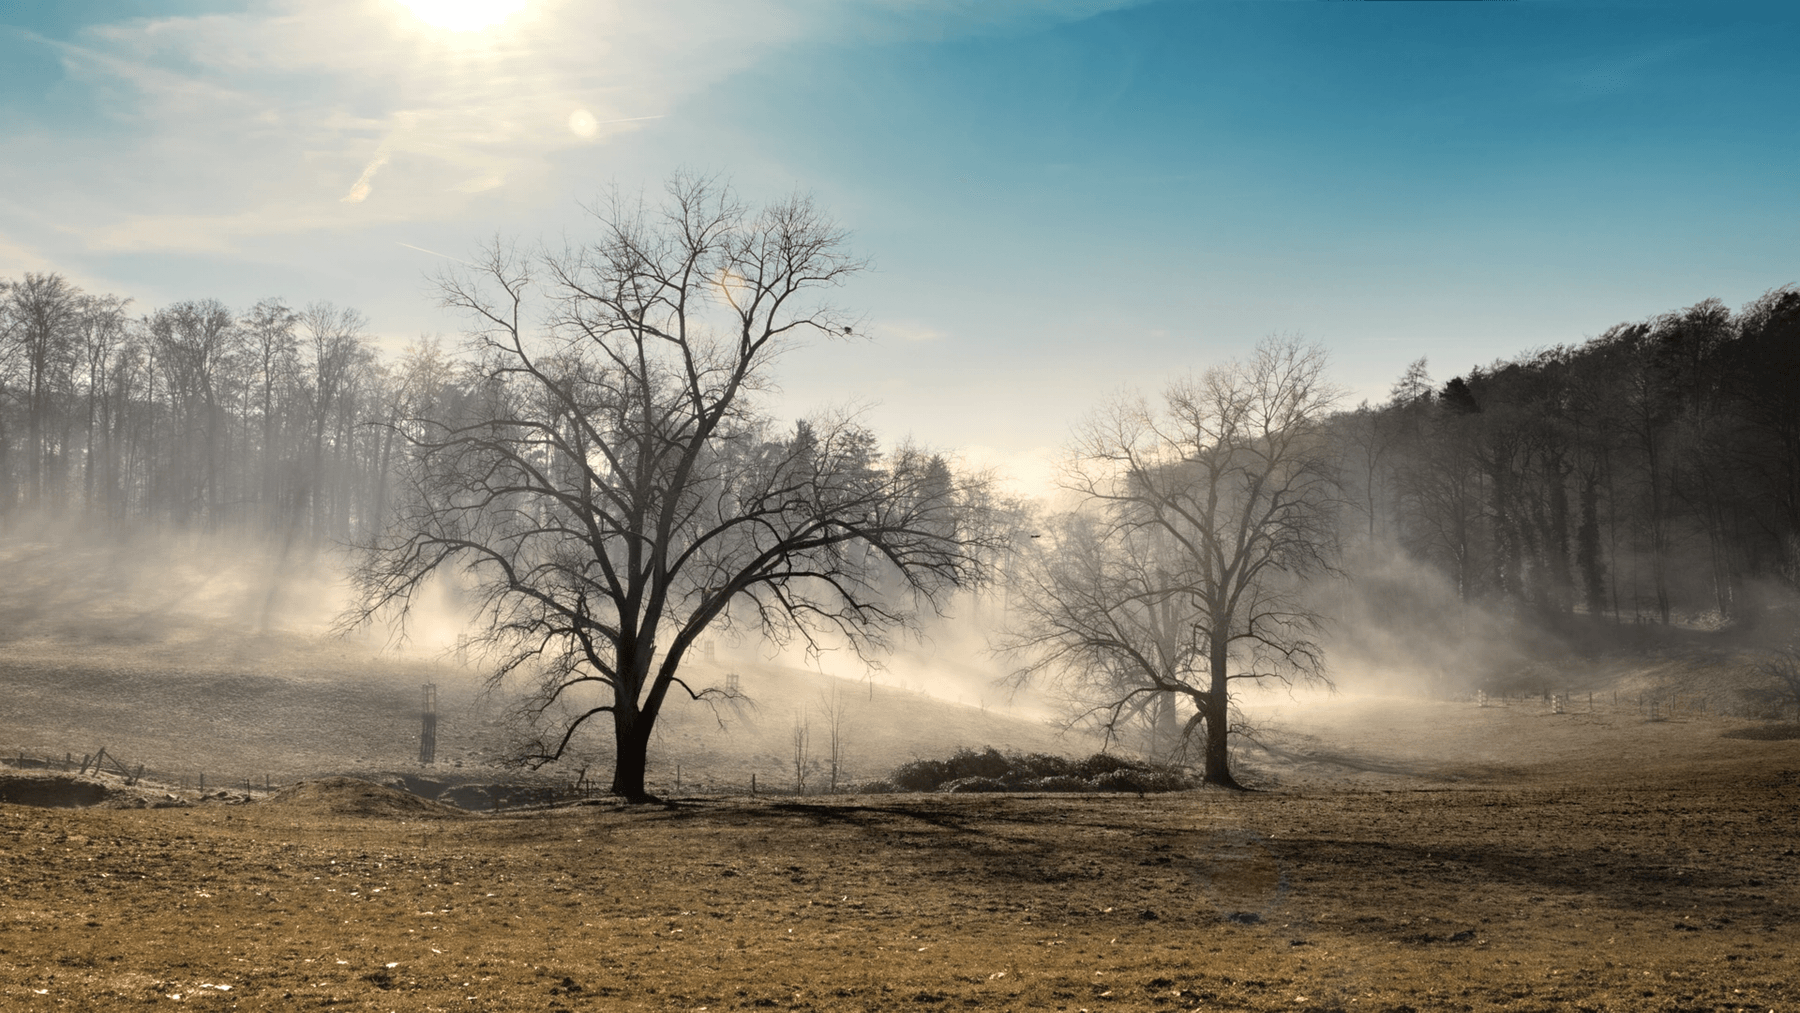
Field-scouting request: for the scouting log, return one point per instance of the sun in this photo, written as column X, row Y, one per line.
column 463, row 15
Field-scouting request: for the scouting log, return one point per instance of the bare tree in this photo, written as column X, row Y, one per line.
column 334, row 352
column 833, row 706
column 1096, row 609
column 1778, row 675
column 607, row 489
column 1203, row 516
column 103, row 329
column 802, row 742
column 274, row 365
column 194, row 342
column 45, row 314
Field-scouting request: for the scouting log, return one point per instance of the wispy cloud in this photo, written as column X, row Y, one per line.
column 252, row 123
column 309, row 115
column 359, row 191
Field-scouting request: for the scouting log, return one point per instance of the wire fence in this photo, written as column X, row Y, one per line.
column 464, row 791
column 103, row 762
column 1652, row 706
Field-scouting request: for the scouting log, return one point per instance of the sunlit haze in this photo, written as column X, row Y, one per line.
column 464, row 15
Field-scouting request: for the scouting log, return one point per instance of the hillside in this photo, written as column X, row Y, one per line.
column 195, row 659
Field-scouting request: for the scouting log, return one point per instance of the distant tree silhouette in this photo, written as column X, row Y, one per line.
column 1205, row 511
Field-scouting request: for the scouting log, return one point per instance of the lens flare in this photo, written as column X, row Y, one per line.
column 463, row 15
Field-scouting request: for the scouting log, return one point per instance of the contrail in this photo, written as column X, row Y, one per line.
column 435, row 253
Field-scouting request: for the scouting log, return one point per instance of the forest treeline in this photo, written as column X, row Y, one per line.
column 1649, row 473
column 199, row 415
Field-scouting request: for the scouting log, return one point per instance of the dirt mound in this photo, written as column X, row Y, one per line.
column 350, row 796
column 57, row 791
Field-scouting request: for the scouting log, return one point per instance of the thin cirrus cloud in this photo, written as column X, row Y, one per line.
column 359, row 191
column 297, row 117
column 305, row 115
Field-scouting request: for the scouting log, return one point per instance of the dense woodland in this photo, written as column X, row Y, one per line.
column 1651, row 474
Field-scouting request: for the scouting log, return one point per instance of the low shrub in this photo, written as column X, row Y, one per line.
column 919, row 775
column 990, row 762
column 932, row 775
column 988, row 770
column 1041, row 765
column 1105, row 763
column 1141, row 781
column 970, row 784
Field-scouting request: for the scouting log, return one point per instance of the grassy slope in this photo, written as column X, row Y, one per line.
column 192, row 659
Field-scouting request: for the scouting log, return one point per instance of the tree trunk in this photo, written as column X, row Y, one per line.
column 1165, row 730
column 1218, row 714
column 632, row 735
column 1556, row 551
column 1587, row 551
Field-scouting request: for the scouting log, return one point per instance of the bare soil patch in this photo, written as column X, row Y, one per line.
column 53, row 790
column 1662, row 879
column 354, row 797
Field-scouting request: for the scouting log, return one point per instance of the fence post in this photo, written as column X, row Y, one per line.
column 428, row 725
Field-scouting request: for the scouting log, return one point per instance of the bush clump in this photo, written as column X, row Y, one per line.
column 990, row 770
column 968, row 784
column 1101, row 764
column 1037, row 766
column 930, row 775
column 1140, row 781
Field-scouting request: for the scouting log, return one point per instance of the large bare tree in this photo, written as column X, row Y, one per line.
column 606, row 486
column 1203, row 515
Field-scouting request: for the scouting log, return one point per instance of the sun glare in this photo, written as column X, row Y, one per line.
column 463, row 15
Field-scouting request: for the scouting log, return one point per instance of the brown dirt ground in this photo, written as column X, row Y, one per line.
column 1560, row 864
column 1406, row 855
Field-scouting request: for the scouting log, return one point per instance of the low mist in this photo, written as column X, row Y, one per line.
column 187, row 604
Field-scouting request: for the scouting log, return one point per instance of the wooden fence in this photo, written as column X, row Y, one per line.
column 103, row 761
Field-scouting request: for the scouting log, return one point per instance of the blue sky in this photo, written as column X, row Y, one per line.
column 1060, row 199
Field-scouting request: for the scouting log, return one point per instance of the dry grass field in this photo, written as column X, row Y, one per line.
column 1637, row 866
column 1405, row 854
